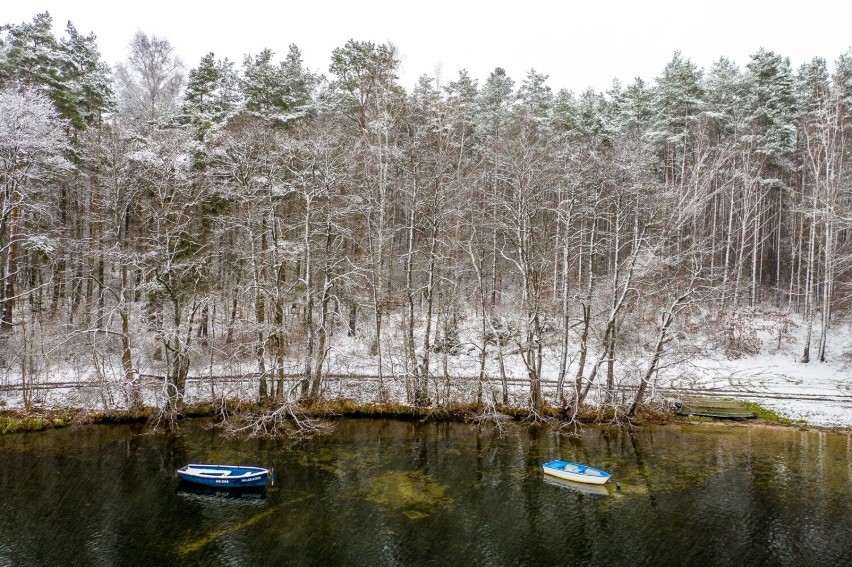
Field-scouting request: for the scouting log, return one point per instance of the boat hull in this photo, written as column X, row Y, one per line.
column 223, row 476
column 576, row 472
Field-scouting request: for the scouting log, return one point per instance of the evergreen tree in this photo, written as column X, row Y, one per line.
column 366, row 80
column 495, row 101
column 842, row 79
column 88, row 78
column 211, row 95
column 724, row 88
column 631, row 110
column 678, row 101
column 770, row 108
column 202, row 82
column 461, row 99
column 367, row 94
column 302, row 83
column 32, row 59
column 281, row 93
column 536, row 97
column 590, row 113
column 813, row 87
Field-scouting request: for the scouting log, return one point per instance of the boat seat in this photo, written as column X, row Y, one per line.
column 216, row 472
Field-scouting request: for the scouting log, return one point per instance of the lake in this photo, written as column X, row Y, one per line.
column 380, row 492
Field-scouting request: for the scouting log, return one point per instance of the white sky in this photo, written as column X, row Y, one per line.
column 578, row 44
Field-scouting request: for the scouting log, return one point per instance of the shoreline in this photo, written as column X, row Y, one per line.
column 40, row 419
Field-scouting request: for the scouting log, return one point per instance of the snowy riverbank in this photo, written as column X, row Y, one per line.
column 772, row 375
column 820, row 393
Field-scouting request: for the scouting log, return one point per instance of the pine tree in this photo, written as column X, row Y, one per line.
column 366, row 80
column 369, row 98
column 495, row 101
column 281, row 93
column 536, row 99
column 678, row 100
column 69, row 71
column 725, row 91
column 211, row 96
column 632, row 110
column 88, row 78
column 770, row 108
column 32, row 58
column 461, row 100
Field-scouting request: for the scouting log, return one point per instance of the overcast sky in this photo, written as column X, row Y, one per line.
column 578, row 44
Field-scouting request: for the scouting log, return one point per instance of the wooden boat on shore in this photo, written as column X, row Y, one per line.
column 575, row 471
column 224, row 476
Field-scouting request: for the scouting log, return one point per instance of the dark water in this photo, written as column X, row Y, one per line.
column 394, row 493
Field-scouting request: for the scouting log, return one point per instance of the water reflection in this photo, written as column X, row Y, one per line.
column 248, row 493
column 380, row 492
column 582, row 488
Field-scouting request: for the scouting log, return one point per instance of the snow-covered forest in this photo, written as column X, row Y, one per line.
column 493, row 242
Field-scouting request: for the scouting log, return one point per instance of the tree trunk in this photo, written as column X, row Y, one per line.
column 410, row 350
column 10, row 272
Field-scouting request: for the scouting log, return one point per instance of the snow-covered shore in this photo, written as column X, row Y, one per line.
column 818, row 393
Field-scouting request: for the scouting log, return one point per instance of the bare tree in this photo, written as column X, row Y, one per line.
column 150, row 81
column 31, row 144
column 173, row 257
column 371, row 100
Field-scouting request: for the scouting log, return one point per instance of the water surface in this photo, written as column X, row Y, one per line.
column 379, row 492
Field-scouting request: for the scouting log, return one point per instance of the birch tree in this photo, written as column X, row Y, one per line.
column 149, row 82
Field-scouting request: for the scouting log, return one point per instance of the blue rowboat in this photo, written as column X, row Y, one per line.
column 224, row 476
column 575, row 471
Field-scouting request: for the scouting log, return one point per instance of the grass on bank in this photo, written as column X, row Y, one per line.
column 767, row 414
column 14, row 423
column 22, row 421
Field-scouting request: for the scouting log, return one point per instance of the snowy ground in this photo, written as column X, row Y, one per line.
column 820, row 393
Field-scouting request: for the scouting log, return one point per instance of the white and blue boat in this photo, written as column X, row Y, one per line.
column 224, row 476
column 575, row 471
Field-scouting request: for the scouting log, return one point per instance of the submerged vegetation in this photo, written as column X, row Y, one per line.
column 415, row 492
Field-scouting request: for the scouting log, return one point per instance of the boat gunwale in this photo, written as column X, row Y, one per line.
column 221, row 471
column 220, row 475
column 557, row 466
